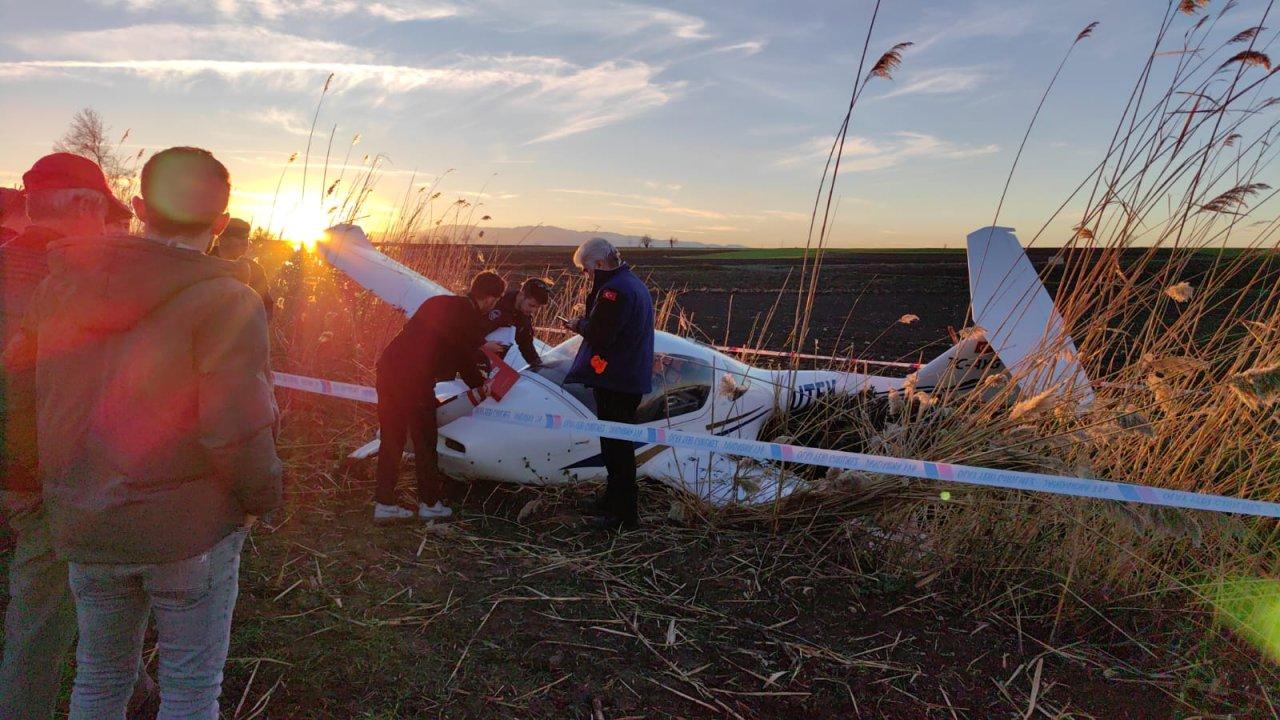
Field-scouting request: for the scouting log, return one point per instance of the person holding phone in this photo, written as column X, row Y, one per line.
column 515, row 309
column 615, row 360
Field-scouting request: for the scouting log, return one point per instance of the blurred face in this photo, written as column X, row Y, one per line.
column 232, row 248
column 527, row 304
column 486, row 304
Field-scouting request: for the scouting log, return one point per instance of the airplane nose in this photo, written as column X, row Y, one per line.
column 479, row 449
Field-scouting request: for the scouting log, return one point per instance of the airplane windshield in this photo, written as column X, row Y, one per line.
column 681, row 385
column 556, row 363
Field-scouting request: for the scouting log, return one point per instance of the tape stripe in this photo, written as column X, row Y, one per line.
column 348, row 391
column 948, row 472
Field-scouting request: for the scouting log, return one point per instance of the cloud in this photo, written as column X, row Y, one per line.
column 652, row 185
column 287, row 120
column 575, row 98
column 675, row 210
column 650, row 199
column 172, row 41
column 787, row 215
column 650, row 203
column 610, row 19
column 395, row 11
column 981, row 20
column 940, row 81
column 864, row 154
column 411, row 11
column 750, row 47
column 603, row 95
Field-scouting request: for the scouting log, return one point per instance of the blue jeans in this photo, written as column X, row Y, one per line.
column 192, row 599
column 40, row 622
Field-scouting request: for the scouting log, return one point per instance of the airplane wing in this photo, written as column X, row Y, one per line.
column 1021, row 323
column 347, row 248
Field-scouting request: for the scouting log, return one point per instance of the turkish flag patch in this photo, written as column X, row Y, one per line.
column 599, row 364
column 609, row 295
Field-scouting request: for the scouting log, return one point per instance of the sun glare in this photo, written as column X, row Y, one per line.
column 303, row 227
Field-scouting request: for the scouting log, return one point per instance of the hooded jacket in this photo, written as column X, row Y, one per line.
column 617, row 335
column 155, row 413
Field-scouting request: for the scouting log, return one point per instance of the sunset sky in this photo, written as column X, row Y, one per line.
column 708, row 121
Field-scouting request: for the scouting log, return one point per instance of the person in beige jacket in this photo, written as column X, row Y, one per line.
column 155, row 432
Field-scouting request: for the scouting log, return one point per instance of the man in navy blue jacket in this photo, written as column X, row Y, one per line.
column 616, row 361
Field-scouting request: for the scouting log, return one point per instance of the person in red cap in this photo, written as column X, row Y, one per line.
column 156, row 421
column 65, row 195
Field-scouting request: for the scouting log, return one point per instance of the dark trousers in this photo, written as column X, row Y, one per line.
column 404, row 414
column 619, row 455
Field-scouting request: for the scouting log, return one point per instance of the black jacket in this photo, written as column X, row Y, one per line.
column 441, row 340
column 617, row 335
column 506, row 313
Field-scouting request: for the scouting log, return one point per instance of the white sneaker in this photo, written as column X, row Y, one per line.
column 389, row 514
column 439, row 511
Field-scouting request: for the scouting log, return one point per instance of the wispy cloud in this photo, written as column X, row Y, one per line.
column 395, row 11
column 786, row 215
column 287, row 120
column 675, row 210
column 175, row 41
column 577, row 98
column 982, row 20
column 651, row 203
column 939, row 81
column 749, row 47
column 609, row 19
column 653, row 185
column 864, row 154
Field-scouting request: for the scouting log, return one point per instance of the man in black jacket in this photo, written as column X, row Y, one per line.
column 615, row 360
column 516, row 309
column 442, row 340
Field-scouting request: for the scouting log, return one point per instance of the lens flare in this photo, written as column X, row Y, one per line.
column 1251, row 606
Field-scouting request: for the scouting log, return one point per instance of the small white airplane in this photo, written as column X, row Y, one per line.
column 696, row 388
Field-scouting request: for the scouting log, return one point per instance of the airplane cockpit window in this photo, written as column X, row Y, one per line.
column 681, row 384
column 556, row 363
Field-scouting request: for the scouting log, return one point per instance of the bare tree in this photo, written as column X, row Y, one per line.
column 88, row 137
column 646, row 241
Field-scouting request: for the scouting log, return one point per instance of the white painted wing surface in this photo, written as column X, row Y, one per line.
column 1021, row 323
column 347, row 248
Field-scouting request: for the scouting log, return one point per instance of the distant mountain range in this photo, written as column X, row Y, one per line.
column 552, row 235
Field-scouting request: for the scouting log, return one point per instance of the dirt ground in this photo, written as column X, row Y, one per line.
column 496, row 615
column 858, row 302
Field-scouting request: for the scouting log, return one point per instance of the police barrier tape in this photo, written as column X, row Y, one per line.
column 779, row 452
column 361, row 393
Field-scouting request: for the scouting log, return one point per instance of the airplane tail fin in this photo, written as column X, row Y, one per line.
column 1018, row 317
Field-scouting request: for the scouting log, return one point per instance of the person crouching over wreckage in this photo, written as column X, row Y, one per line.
column 443, row 339
column 615, row 360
